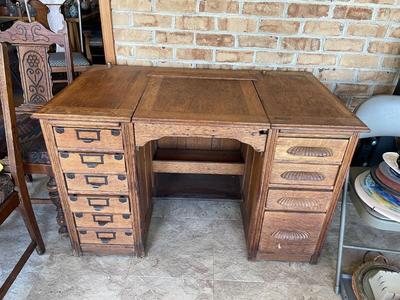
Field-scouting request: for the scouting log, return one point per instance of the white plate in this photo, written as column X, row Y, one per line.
column 373, row 203
column 391, row 159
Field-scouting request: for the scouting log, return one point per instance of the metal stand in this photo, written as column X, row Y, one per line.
column 341, row 234
column 343, row 281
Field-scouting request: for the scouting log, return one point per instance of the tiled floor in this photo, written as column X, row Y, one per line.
column 196, row 250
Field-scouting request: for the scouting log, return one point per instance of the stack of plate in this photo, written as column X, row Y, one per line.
column 379, row 188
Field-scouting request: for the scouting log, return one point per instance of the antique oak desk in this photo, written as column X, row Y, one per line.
column 283, row 134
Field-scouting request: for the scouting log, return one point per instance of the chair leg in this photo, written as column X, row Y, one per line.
column 341, row 235
column 55, row 198
column 17, row 269
column 29, row 177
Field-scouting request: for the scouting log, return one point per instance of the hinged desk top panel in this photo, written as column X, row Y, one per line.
column 201, row 99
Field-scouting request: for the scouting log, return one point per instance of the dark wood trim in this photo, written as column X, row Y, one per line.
column 8, row 206
column 17, row 269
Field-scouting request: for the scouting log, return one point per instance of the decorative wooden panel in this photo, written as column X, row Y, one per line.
column 35, row 74
column 32, row 41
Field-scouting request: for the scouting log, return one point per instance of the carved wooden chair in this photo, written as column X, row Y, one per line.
column 10, row 199
column 32, row 41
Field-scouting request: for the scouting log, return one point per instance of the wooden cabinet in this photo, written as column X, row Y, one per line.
column 89, row 137
column 94, row 180
column 283, row 134
column 312, row 141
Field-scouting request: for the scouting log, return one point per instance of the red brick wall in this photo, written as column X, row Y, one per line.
column 352, row 46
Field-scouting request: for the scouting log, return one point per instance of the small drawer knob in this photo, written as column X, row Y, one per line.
column 122, row 199
column 118, row 156
column 59, row 130
column 64, row 154
column 115, row 132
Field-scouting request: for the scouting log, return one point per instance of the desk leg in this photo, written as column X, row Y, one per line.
column 55, row 198
column 139, row 169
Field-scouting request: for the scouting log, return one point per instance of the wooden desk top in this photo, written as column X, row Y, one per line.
column 108, row 94
column 275, row 99
column 209, row 98
column 298, row 99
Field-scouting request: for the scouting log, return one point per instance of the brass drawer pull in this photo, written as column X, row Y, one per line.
column 298, row 203
column 88, row 135
column 92, row 160
column 310, row 151
column 98, row 203
column 96, row 181
column 303, row 176
column 105, row 237
column 291, row 235
column 103, row 220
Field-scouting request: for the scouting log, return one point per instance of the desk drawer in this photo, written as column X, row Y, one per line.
column 290, row 234
column 324, row 151
column 102, row 220
column 304, row 174
column 295, row 200
column 88, row 138
column 110, row 237
column 92, row 162
column 98, row 182
column 97, row 203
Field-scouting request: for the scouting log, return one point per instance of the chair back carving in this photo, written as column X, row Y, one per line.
column 32, row 41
